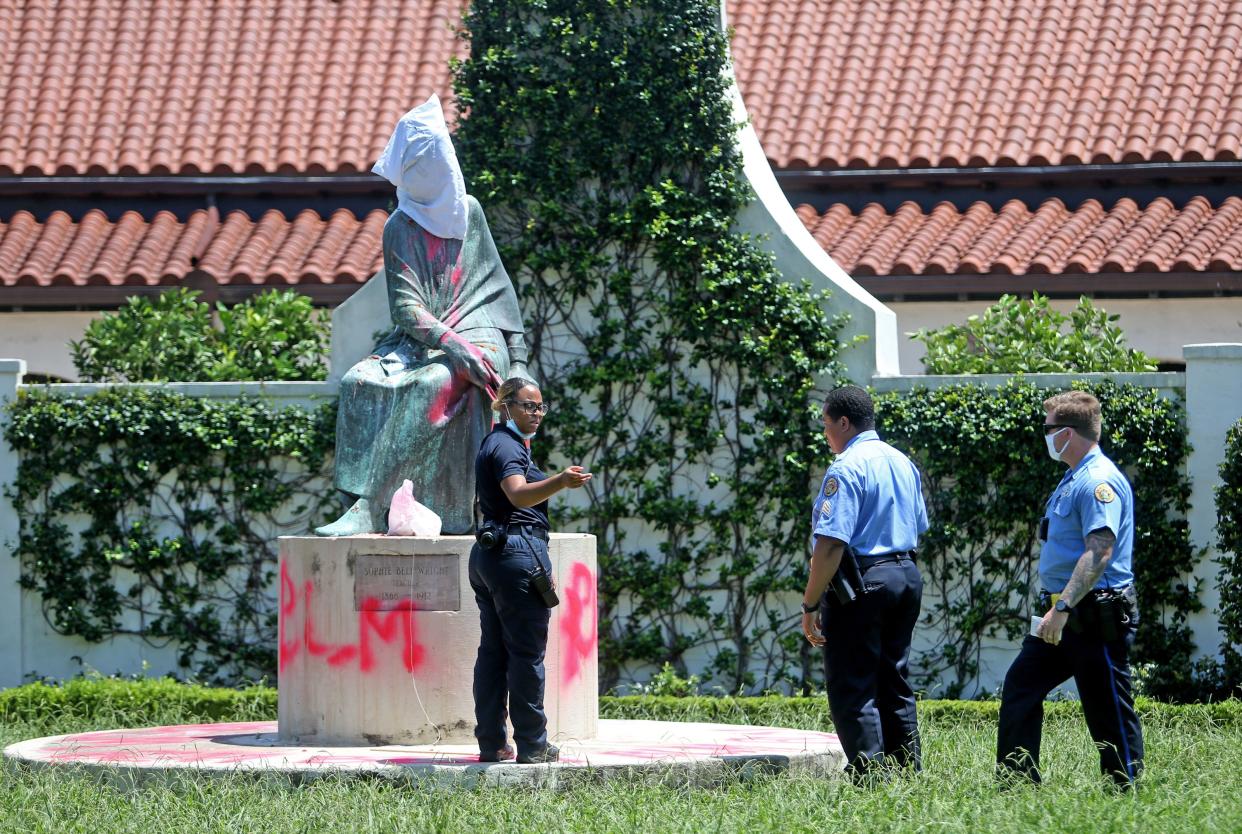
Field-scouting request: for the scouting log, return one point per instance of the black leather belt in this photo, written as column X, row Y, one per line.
column 528, row 530
column 865, row 562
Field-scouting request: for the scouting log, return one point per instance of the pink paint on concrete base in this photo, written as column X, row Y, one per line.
column 255, row 746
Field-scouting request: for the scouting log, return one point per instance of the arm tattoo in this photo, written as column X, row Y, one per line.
column 1090, row 565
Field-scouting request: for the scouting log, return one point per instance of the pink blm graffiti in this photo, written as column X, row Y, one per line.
column 390, row 626
column 579, row 637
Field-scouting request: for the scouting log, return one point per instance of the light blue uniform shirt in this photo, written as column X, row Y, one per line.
column 1093, row 495
column 871, row 498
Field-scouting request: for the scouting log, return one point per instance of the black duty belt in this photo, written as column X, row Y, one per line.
column 865, row 562
column 1096, row 595
column 532, row 530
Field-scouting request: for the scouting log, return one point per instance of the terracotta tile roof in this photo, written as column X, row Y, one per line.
column 273, row 249
column 839, row 83
column 198, row 86
column 1051, row 239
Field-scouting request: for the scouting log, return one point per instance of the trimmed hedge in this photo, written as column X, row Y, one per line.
column 163, row 700
column 152, row 699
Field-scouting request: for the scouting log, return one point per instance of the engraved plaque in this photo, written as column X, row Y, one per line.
column 383, row 582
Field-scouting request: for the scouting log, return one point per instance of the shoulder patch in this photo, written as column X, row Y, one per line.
column 830, row 487
column 825, row 507
column 1104, row 494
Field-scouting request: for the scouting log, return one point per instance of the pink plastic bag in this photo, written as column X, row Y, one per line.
column 407, row 517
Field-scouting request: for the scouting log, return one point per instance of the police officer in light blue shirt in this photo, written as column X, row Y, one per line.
column 1093, row 495
column 869, row 508
column 1088, row 595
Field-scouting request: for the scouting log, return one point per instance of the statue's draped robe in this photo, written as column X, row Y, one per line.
column 404, row 411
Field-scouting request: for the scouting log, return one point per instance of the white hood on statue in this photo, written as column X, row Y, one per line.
column 420, row 161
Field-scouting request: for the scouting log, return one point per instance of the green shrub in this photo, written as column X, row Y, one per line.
column 168, row 337
column 274, row 335
column 140, row 701
column 1027, row 336
column 667, row 682
column 1229, row 530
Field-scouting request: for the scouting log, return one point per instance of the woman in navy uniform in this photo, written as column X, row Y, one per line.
column 513, row 500
column 871, row 505
column 1088, row 585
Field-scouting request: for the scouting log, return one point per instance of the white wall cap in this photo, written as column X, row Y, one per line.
column 1214, row 350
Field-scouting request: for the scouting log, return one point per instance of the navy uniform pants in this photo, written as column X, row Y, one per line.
column 866, row 661
column 1102, row 671
column 509, row 669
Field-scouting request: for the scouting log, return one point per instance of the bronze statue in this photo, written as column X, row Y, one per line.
column 419, row 406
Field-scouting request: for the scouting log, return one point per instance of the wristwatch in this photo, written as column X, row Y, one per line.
column 810, row 609
column 1062, row 606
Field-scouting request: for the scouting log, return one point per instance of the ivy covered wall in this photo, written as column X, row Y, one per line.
column 151, row 513
column 681, row 367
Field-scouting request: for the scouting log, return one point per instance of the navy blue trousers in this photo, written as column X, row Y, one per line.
column 866, row 662
column 509, row 669
column 1102, row 672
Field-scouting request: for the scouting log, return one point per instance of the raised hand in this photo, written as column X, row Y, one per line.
column 574, row 477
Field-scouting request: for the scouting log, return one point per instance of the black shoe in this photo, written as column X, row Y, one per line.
column 504, row 754
column 544, row 756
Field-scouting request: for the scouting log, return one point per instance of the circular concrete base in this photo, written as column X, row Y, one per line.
column 659, row 751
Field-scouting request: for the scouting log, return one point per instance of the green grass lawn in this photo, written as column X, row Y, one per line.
column 1194, row 758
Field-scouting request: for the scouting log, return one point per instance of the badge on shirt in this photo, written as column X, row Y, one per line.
column 1104, row 494
column 830, row 487
column 825, row 507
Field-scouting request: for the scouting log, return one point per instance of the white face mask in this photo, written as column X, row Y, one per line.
column 1051, row 441
column 513, row 427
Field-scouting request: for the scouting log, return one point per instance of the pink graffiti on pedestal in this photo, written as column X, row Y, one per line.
column 288, row 649
column 388, row 626
column 579, row 636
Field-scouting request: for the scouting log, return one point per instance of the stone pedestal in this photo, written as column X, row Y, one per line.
column 378, row 638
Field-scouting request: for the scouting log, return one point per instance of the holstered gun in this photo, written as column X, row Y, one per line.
column 847, row 584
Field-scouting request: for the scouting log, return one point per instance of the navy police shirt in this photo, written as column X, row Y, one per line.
column 502, row 454
column 1092, row 496
column 871, row 498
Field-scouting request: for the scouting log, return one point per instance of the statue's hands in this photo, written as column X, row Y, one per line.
column 471, row 361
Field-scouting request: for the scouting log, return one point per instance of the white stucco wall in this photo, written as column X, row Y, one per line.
column 1213, row 405
column 1157, row 326
column 42, row 340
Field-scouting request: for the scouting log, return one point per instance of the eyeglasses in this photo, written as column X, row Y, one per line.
column 531, row 407
column 1049, row 428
